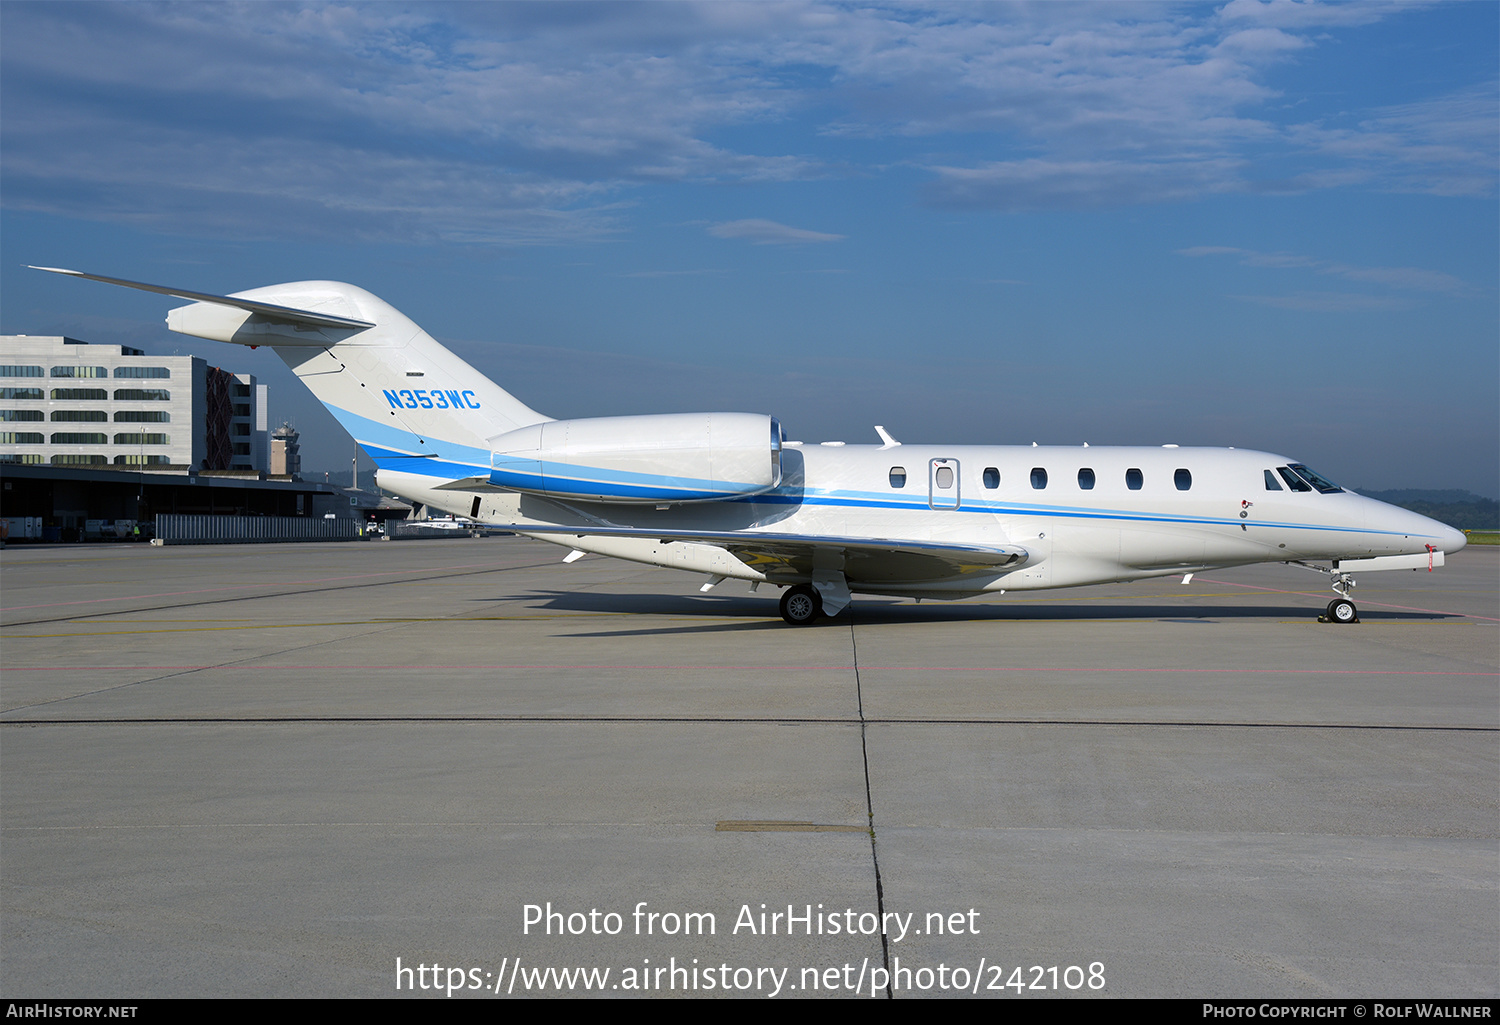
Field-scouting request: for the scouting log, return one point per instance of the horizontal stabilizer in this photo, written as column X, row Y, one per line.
column 268, row 310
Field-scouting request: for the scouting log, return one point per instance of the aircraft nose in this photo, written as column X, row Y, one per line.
column 1418, row 529
column 1452, row 540
column 1444, row 538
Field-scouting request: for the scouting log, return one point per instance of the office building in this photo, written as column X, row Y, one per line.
column 69, row 403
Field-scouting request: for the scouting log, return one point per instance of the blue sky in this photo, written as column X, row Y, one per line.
column 1268, row 225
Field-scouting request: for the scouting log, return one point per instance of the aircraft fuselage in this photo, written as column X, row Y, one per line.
column 1221, row 513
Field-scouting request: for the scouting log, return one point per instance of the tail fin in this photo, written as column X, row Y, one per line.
column 411, row 404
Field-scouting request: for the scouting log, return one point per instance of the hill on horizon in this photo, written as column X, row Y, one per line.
column 1462, row 509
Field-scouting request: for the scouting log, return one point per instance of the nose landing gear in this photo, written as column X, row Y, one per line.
column 1340, row 610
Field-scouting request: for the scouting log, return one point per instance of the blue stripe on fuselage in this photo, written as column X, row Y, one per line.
column 395, row 448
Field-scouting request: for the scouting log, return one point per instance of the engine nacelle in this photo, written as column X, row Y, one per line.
column 667, row 458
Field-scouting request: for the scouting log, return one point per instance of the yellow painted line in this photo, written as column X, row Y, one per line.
column 571, row 616
column 1138, row 596
column 122, row 622
column 183, row 630
column 362, row 622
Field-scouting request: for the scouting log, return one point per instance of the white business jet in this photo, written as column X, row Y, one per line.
column 726, row 495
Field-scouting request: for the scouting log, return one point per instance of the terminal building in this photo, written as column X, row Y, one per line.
column 69, row 403
column 101, row 441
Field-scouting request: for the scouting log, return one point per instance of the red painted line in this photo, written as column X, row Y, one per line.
column 925, row 669
column 238, row 587
column 1380, row 604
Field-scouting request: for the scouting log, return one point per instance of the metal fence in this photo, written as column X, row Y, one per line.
column 404, row 530
column 177, row 529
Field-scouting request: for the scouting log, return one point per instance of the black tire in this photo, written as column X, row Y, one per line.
column 801, row 605
column 1342, row 610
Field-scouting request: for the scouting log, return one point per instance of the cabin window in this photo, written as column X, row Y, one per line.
column 1086, row 479
column 1293, row 481
column 1183, row 479
column 991, row 477
column 1038, row 478
column 945, row 477
column 1134, row 479
column 1271, row 483
column 898, row 476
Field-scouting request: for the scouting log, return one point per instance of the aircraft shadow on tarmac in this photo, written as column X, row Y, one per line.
column 745, row 612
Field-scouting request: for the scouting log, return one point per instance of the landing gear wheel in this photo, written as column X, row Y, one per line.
column 1341, row 610
column 801, row 605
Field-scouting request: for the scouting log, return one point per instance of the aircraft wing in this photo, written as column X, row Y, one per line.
column 797, row 553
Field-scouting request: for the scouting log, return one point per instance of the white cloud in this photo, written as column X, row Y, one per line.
column 529, row 122
column 1030, row 184
column 1410, row 279
column 1448, row 145
column 696, row 272
column 1331, row 302
column 1308, row 14
column 765, row 233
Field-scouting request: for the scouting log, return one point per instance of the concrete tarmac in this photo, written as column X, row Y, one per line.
column 274, row 770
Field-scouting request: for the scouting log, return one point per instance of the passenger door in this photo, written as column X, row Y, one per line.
column 942, row 483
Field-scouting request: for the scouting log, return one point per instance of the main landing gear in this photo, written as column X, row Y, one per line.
column 800, row 605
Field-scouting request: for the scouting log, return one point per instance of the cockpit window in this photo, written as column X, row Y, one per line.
column 1323, row 484
column 1293, row 481
column 1272, row 484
